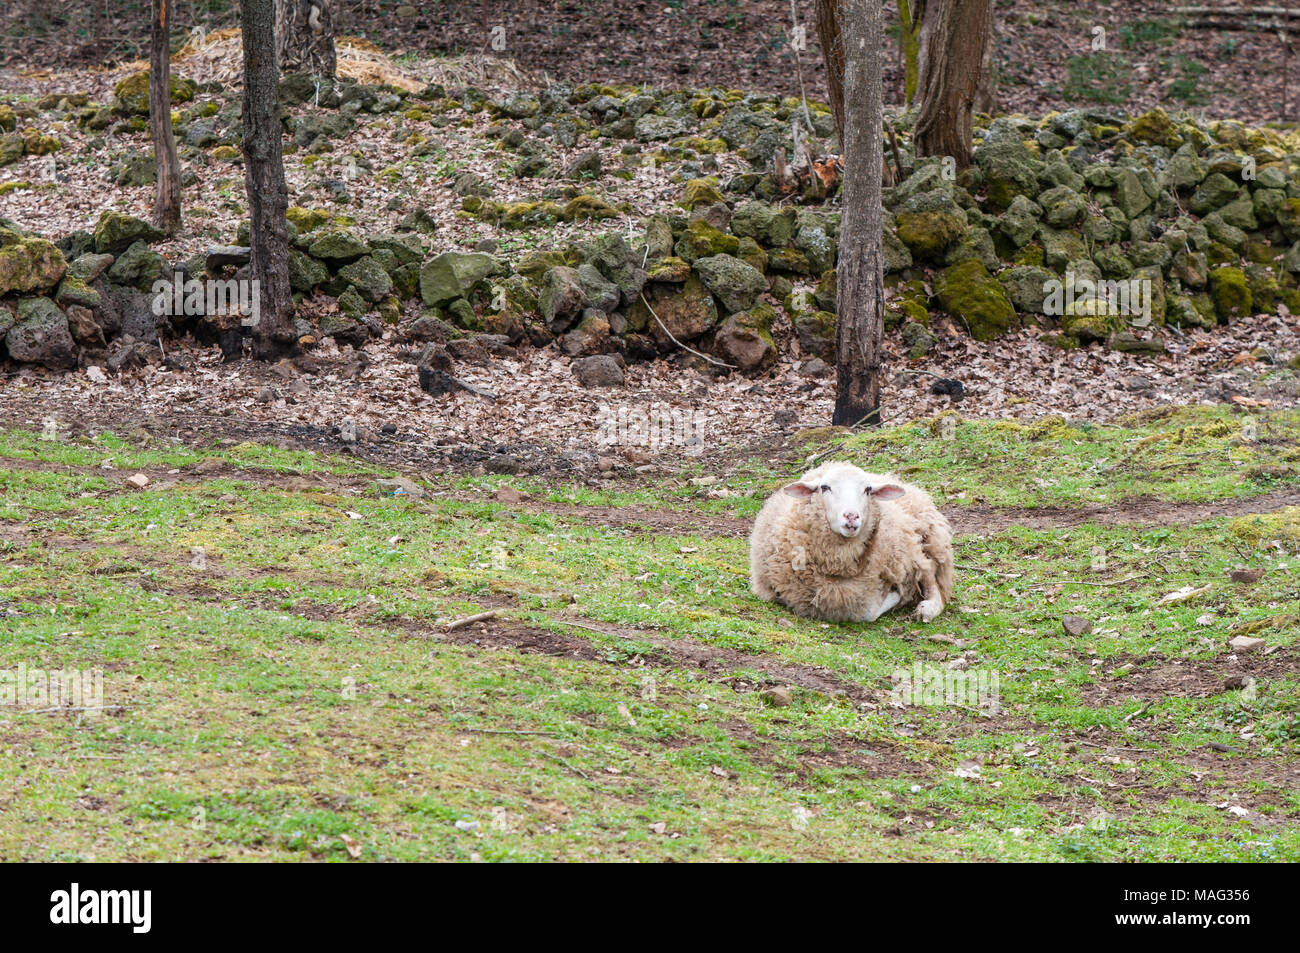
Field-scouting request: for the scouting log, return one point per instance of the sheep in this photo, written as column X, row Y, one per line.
column 848, row 546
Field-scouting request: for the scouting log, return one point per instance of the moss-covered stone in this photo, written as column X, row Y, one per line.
column 701, row 192
column 752, row 254
column 585, row 208
column 745, row 338
column 368, row 277
column 767, row 225
column 1020, row 221
column 816, row 333
column 305, row 272
column 1008, row 169
column 1062, row 206
column 1155, row 127
column 736, row 284
column 534, row 264
column 1215, row 192
column 37, row 143
column 702, row 240
column 74, row 291
column 929, row 224
column 131, row 94
column 41, row 335
column 1288, row 218
column 530, row 215
column 687, row 311
column 454, row 275
column 28, row 265
column 1026, row 286
column 338, row 247
column 1061, row 246
column 306, row 219
column 1230, row 293
column 139, row 267
column 115, row 232
column 969, row 293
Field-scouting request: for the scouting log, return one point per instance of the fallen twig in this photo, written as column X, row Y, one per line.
column 578, row 771
column 1084, row 582
column 505, row 731
column 39, row 711
column 471, row 619
column 581, row 625
column 1134, row 714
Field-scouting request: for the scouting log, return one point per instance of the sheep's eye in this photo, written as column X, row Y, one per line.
column 826, row 488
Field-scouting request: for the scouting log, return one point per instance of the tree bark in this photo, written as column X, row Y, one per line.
column 268, row 195
column 304, row 35
column 986, row 89
column 910, row 18
column 828, row 35
column 167, row 195
column 954, row 36
column 860, row 298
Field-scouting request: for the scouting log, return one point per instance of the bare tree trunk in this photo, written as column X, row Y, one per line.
column 860, row 299
column 304, row 34
column 954, row 36
column 828, row 35
column 986, row 90
column 167, row 195
column 268, row 196
column 910, row 18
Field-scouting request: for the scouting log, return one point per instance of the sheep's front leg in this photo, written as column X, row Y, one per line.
column 929, row 607
column 876, row 609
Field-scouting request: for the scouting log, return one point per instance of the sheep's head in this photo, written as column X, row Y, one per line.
column 845, row 495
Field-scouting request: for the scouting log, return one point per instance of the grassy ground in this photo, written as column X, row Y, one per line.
column 274, row 628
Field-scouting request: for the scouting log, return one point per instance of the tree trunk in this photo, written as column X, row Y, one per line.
column 986, row 90
column 304, row 34
column 268, row 196
column 828, row 35
column 954, row 36
column 910, row 18
column 860, row 299
column 167, row 196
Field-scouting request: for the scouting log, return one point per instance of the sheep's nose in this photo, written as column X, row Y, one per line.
column 850, row 518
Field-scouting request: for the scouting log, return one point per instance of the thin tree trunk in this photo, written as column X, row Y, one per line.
column 954, row 36
column 910, row 18
column 986, row 90
column 268, row 196
column 828, row 35
column 860, row 299
column 167, row 195
column 304, row 35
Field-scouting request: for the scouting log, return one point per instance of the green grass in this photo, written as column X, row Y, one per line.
column 289, row 691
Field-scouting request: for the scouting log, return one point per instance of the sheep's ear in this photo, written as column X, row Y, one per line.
column 890, row 491
column 797, row 489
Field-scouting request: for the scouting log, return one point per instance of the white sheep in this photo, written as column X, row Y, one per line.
column 846, row 545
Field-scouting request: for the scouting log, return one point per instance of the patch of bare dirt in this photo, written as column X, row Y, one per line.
column 1138, row 511
column 678, row 653
column 1186, row 678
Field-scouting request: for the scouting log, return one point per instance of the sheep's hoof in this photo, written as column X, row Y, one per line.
column 927, row 611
